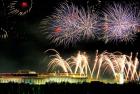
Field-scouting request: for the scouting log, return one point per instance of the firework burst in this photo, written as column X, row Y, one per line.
column 121, row 23
column 3, row 33
column 69, row 25
column 20, row 7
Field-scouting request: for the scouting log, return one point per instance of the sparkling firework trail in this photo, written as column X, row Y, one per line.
column 122, row 67
column 58, row 61
column 119, row 64
column 69, row 25
column 20, row 7
column 121, row 22
column 80, row 62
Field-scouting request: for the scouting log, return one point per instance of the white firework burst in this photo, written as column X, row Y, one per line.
column 121, row 23
column 69, row 25
column 88, row 24
column 20, row 7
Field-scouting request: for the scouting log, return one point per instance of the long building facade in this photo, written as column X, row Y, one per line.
column 42, row 78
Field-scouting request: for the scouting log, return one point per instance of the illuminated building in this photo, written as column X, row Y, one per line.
column 41, row 78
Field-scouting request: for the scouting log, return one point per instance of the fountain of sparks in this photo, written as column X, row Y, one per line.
column 59, row 61
column 119, row 64
column 80, row 62
column 122, row 67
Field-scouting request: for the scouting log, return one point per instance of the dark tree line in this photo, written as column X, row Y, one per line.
column 67, row 88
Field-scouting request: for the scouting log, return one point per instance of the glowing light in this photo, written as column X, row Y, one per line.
column 24, row 4
column 58, row 29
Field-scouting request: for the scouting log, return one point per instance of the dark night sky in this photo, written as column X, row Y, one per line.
column 25, row 46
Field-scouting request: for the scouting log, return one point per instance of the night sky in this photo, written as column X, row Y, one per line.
column 24, row 48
